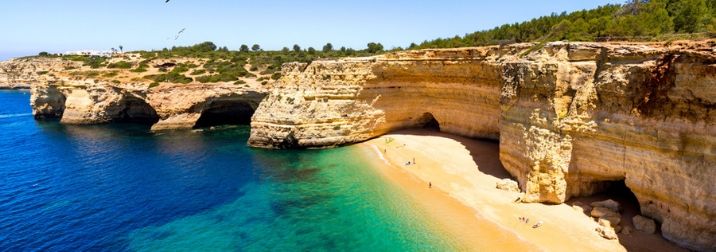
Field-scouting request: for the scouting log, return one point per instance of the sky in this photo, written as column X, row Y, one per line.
column 31, row 26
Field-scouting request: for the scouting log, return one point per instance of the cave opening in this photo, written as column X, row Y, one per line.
column 137, row 111
column 227, row 112
column 427, row 121
column 619, row 191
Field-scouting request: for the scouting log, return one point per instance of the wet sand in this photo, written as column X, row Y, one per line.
column 467, row 205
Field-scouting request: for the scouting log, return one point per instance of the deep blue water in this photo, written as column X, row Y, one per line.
column 120, row 187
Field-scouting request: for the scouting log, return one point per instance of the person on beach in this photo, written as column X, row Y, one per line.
column 539, row 224
column 413, row 160
column 430, row 184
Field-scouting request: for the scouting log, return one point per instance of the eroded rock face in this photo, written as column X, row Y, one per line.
column 570, row 117
column 180, row 106
column 170, row 106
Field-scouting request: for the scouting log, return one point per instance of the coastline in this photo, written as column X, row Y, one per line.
column 463, row 174
column 458, row 223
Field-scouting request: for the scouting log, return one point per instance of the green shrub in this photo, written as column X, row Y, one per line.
column 91, row 61
column 141, row 68
column 42, row 72
column 153, row 84
column 120, row 65
column 198, row 72
column 239, row 82
column 110, row 74
column 374, row 47
column 174, row 76
column 276, row 76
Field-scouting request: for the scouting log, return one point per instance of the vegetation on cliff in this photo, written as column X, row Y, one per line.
column 635, row 20
column 227, row 65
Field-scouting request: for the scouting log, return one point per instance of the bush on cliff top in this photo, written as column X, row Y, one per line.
column 174, row 76
column 120, row 65
column 91, row 61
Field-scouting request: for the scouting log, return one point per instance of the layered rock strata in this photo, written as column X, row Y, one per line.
column 570, row 117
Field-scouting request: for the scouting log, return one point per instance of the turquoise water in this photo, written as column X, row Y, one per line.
column 122, row 188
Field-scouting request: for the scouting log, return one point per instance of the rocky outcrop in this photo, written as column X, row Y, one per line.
column 170, row 106
column 22, row 73
column 76, row 93
column 570, row 117
column 90, row 102
column 187, row 106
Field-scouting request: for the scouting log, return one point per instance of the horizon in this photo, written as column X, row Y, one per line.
column 87, row 25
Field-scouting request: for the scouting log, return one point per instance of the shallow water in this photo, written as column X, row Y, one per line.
column 120, row 187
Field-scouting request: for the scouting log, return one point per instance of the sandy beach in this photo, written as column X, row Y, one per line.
column 464, row 199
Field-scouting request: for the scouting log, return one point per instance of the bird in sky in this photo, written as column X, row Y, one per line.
column 179, row 33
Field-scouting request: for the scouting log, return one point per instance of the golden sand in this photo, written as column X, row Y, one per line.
column 465, row 202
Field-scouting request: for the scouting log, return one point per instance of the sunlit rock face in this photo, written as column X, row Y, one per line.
column 570, row 117
column 167, row 107
column 22, row 73
column 182, row 106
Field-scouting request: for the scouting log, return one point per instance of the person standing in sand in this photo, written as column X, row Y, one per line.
column 430, row 184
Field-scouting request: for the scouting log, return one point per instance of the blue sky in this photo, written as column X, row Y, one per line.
column 31, row 26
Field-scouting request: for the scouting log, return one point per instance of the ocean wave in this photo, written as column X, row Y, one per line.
column 15, row 115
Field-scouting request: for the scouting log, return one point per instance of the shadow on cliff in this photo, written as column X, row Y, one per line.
column 485, row 153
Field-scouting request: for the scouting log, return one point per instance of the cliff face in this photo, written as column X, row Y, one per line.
column 169, row 106
column 570, row 118
column 81, row 94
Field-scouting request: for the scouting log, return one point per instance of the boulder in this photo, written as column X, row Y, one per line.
column 644, row 224
column 611, row 204
column 609, row 221
column 612, row 219
column 599, row 212
column 508, row 185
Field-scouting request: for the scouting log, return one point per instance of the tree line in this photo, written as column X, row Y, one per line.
column 633, row 20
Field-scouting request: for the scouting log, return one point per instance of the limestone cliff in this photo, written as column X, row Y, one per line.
column 570, row 117
column 22, row 73
column 169, row 106
column 81, row 94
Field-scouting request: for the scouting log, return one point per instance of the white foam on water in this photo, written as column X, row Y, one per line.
column 15, row 115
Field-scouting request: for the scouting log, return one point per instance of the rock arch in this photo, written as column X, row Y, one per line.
column 136, row 110
column 225, row 112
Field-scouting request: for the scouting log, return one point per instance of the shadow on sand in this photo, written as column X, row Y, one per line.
column 484, row 152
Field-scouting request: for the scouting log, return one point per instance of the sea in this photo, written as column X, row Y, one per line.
column 120, row 187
